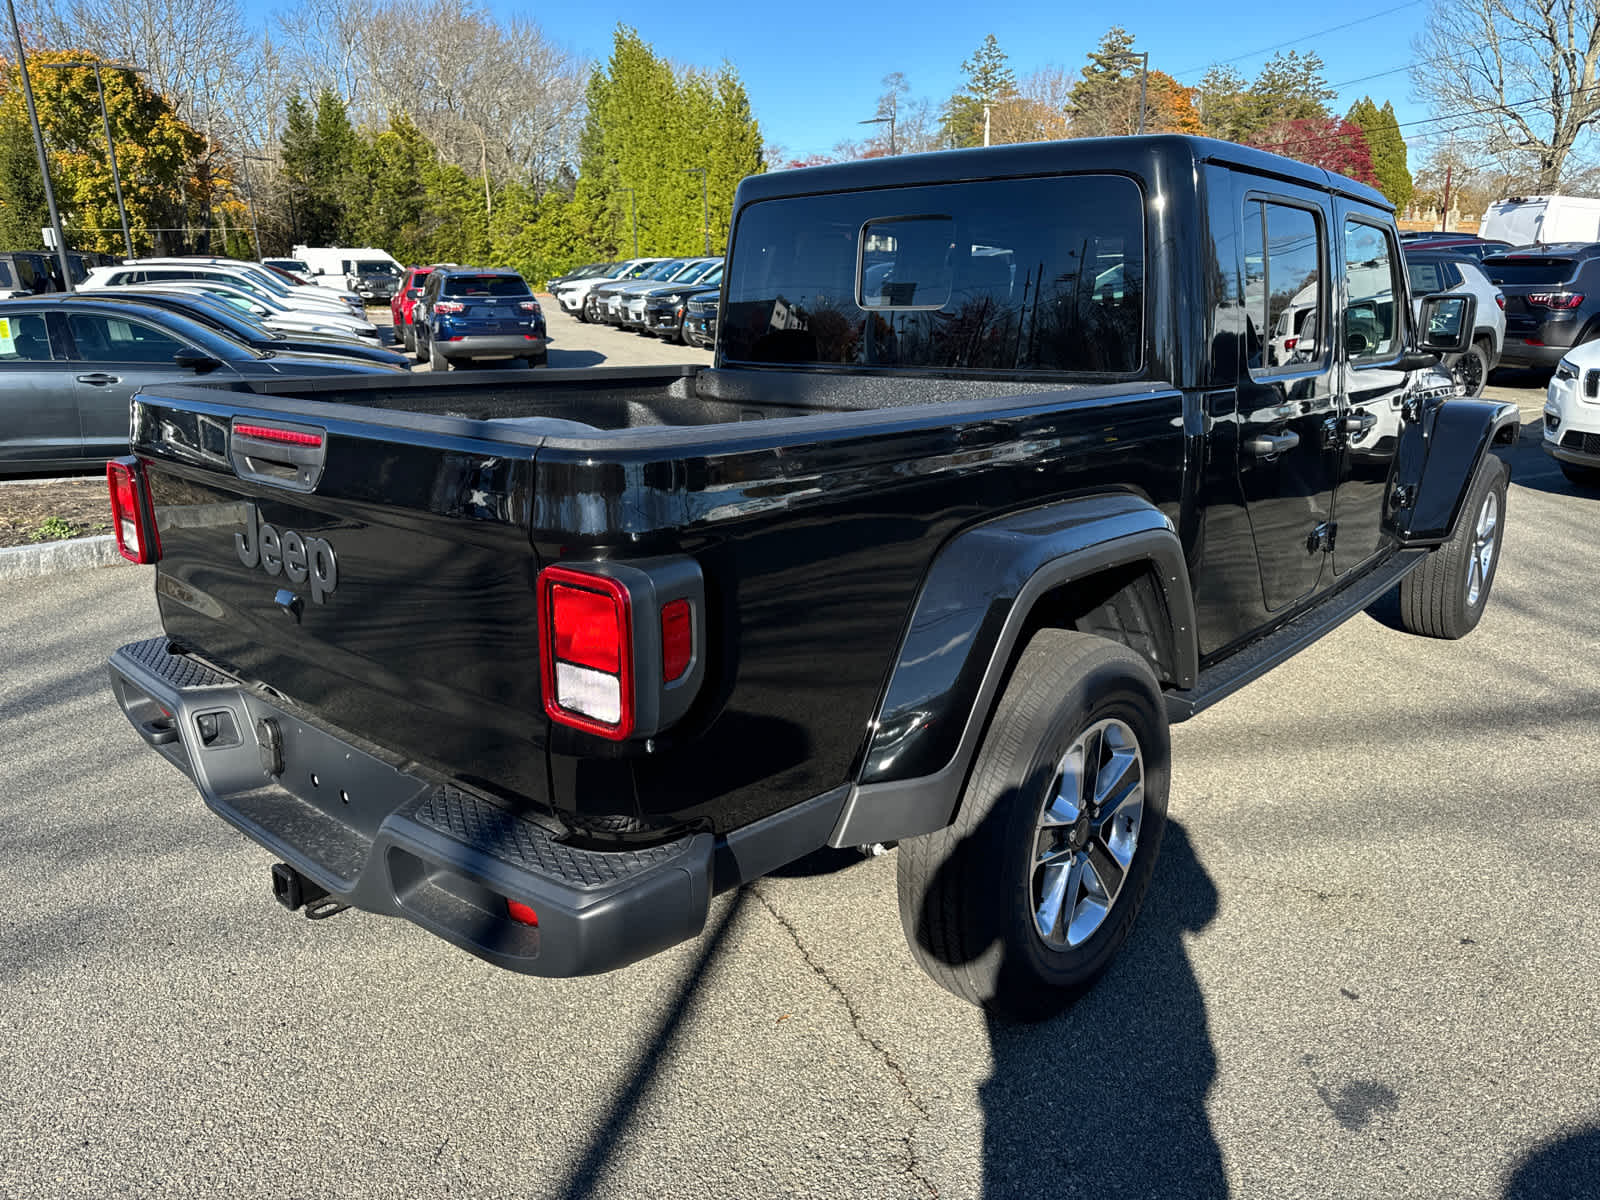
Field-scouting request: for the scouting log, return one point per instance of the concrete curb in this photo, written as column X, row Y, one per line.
column 48, row 558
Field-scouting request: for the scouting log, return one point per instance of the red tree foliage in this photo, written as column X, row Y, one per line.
column 1331, row 142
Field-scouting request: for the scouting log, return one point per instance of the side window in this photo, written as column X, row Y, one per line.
column 1425, row 278
column 1371, row 316
column 114, row 339
column 1283, row 287
column 5, row 277
column 24, row 338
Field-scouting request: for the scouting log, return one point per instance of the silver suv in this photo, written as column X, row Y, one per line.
column 1435, row 271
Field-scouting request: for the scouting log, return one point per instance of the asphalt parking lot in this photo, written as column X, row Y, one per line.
column 1367, row 966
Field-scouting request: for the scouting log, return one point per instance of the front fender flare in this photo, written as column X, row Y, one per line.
column 973, row 608
column 1456, row 433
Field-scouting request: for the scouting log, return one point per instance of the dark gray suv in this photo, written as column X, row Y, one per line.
column 1552, row 300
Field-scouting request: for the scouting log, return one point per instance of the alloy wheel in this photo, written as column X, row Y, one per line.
column 1087, row 834
column 1484, row 540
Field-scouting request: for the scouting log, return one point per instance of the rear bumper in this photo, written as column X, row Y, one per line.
column 390, row 841
column 491, row 345
column 1517, row 353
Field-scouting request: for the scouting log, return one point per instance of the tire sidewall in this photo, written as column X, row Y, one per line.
column 1108, row 690
column 1491, row 477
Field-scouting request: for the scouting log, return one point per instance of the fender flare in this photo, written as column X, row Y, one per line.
column 1458, row 434
column 972, row 610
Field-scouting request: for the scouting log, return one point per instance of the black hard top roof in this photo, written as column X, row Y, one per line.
column 1151, row 156
column 1552, row 250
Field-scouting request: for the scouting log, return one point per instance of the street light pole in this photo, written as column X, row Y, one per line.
column 111, row 146
column 38, row 146
column 889, row 120
column 1144, row 78
column 705, row 206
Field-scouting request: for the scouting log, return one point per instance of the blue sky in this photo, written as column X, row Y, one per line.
column 814, row 70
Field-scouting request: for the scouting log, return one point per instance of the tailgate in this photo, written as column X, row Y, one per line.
column 380, row 577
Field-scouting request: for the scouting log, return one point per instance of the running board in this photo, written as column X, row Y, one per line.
column 1255, row 660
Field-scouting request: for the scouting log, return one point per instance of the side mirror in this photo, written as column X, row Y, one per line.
column 198, row 361
column 1445, row 323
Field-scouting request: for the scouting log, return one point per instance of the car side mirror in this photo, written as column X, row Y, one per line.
column 198, row 361
column 1445, row 323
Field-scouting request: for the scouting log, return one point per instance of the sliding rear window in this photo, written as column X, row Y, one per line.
column 1013, row 275
column 1530, row 269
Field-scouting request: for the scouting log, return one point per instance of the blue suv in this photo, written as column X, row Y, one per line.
column 470, row 315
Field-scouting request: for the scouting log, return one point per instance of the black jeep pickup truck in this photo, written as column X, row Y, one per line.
column 1005, row 462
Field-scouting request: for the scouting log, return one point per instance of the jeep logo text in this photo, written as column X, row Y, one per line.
column 297, row 557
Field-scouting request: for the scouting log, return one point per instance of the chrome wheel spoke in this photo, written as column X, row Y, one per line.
column 1483, row 547
column 1061, row 883
column 1067, row 805
column 1105, row 875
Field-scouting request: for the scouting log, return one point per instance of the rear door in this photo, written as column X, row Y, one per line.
column 1374, row 323
column 38, row 398
column 1287, row 389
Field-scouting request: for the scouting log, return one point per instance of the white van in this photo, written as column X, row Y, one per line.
column 1542, row 220
column 369, row 272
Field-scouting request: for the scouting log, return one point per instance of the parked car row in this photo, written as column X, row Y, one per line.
column 647, row 295
column 38, row 272
column 451, row 316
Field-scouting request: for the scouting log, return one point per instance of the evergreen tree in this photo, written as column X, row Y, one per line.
column 1388, row 149
column 990, row 81
column 319, row 162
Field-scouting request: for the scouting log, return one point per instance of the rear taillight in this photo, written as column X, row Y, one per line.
column 521, row 913
column 131, row 515
column 586, row 645
column 677, row 640
column 448, row 306
column 529, row 306
column 1557, row 300
column 1500, row 299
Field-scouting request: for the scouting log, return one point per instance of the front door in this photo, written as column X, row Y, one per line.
column 115, row 357
column 1287, row 393
column 1373, row 319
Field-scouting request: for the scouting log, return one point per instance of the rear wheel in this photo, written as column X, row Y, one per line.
column 436, row 360
column 1022, row 902
column 408, row 339
column 1445, row 596
column 1471, row 370
column 1586, row 477
column 541, row 359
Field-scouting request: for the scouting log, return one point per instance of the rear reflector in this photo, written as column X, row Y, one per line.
column 287, row 437
column 586, row 651
column 131, row 518
column 521, row 913
column 677, row 640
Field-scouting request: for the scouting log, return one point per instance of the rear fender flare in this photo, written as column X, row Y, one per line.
column 973, row 610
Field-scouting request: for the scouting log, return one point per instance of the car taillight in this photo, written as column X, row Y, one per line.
column 448, row 306
column 677, row 640
column 586, row 644
column 1557, row 300
column 1500, row 299
column 521, row 913
column 131, row 516
column 529, row 306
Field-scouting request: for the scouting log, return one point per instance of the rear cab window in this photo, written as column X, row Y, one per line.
column 1041, row 275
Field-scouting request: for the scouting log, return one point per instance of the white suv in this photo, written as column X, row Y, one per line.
column 1572, row 415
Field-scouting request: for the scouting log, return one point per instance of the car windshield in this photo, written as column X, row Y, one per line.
column 485, row 285
column 694, row 271
column 664, row 270
column 289, row 264
column 378, row 267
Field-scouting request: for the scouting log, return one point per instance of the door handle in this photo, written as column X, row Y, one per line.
column 1272, row 443
column 1359, row 421
column 99, row 379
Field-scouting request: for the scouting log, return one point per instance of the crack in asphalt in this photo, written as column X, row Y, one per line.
column 913, row 1166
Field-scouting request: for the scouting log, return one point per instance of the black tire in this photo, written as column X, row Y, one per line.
column 436, row 360
column 1471, row 370
column 1580, row 476
column 1445, row 596
column 541, row 359
column 967, row 899
column 408, row 340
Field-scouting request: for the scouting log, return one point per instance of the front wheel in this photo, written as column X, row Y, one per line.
column 1445, row 596
column 1022, row 902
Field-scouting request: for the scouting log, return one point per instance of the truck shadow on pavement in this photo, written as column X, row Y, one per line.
column 1109, row 1099
column 1565, row 1168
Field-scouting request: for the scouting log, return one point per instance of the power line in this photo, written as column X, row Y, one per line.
column 1297, row 40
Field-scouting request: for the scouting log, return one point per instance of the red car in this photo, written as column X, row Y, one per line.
column 403, row 302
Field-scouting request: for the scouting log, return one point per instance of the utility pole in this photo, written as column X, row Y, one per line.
column 889, row 120
column 1444, row 212
column 250, row 196
column 38, row 146
column 705, row 206
column 111, row 146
